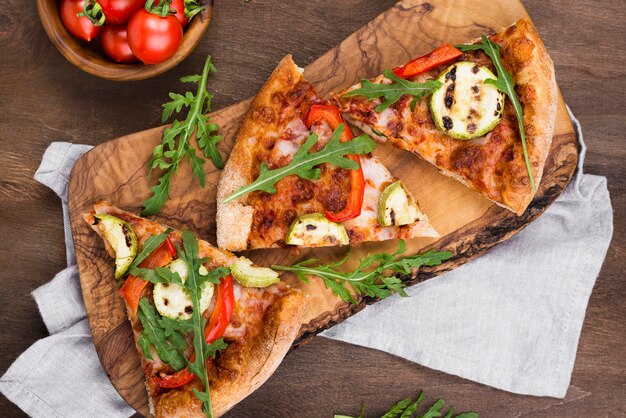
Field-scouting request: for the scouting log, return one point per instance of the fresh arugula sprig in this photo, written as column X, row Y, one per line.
column 407, row 408
column 506, row 85
column 374, row 275
column 193, row 285
column 176, row 142
column 152, row 243
column 168, row 347
column 304, row 164
column 393, row 91
column 167, row 335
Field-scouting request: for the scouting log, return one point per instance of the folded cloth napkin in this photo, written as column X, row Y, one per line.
column 510, row 319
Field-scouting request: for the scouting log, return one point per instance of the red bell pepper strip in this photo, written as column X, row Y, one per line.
column 355, row 200
column 442, row 55
column 133, row 286
column 224, row 303
column 180, row 378
column 331, row 115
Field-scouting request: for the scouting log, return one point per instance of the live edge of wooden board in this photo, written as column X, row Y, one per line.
column 469, row 225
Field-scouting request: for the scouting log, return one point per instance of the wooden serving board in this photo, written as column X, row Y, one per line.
column 469, row 224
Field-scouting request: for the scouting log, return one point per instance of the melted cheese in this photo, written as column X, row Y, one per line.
column 376, row 178
column 288, row 144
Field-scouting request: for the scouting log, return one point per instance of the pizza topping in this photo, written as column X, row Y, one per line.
column 304, row 163
column 352, row 209
column 224, row 304
column 506, row 85
column 376, row 282
column 397, row 206
column 440, row 56
column 315, row 230
column 172, row 300
column 121, row 238
column 133, row 286
column 252, row 276
column 173, row 339
column 394, row 90
column 466, row 106
column 175, row 380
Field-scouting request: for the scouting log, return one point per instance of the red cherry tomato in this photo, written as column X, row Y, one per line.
column 119, row 11
column 115, row 43
column 80, row 27
column 153, row 38
column 179, row 7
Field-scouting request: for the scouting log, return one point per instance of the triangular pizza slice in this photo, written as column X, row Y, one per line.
column 187, row 300
column 454, row 108
column 330, row 203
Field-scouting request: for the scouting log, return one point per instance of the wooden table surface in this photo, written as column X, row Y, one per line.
column 43, row 98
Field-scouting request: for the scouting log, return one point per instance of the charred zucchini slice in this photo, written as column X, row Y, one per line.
column 397, row 207
column 121, row 238
column 466, row 107
column 172, row 300
column 314, row 230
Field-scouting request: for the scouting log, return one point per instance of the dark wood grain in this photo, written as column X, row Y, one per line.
column 45, row 98
column 91, row 58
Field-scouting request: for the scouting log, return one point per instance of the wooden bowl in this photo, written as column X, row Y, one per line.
column 90, row 57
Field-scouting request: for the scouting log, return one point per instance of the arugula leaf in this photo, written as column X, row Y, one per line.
column 304, row 163
column 176, row 145
column 407, row 408
column 154, row 335
column 167, row 335
column 376, row 282
column 506, row 85
column 434, row 410
column 152, row 243
column 410, row 410
column 394, row 91
column 397, row 408
column 194, row 284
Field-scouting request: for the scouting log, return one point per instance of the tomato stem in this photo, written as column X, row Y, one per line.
column 93, row 11
column 162, row 8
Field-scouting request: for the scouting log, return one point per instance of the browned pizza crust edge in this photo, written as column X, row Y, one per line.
column 234, row 220
column 258, row 360
column 281, row 325
column 533, row 77
column 539, row 113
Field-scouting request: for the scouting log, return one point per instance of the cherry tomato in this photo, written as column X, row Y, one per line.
column 114, row 40
column 153, row 38
column 80, row 27
column 179, row 7
column 119, row 11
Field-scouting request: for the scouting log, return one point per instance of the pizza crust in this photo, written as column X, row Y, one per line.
column 255, row 365
column 234, row 220
column 244, row 365
column 526, row 58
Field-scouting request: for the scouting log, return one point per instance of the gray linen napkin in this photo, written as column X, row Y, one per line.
column 510, row 319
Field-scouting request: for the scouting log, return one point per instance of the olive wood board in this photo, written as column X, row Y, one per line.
column 469, row 224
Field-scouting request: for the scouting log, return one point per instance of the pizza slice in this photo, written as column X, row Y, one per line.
column 481, row 113
column 209, row 326
column 337, row 192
